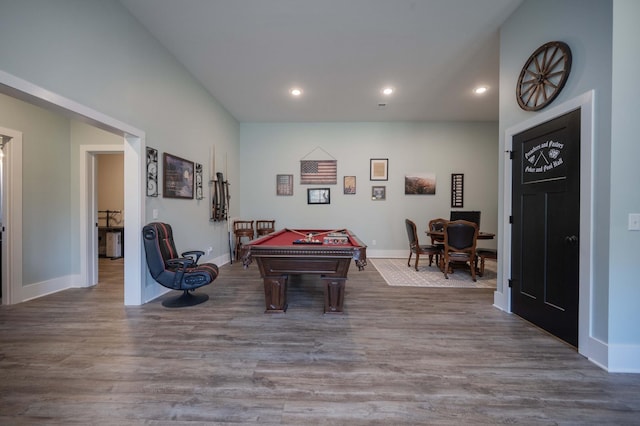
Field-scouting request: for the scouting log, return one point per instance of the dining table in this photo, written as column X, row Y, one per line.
column 439, row 235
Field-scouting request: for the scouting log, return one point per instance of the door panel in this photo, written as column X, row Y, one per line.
column 546, row 224
column 531, row 238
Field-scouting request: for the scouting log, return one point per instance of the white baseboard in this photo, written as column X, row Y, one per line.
column 596, row 351
column 387, row 254
column 624, row 359
column 43, row 288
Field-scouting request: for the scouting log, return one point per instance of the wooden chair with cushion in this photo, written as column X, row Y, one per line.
column 460, row 238
column 415, row 247
column 242, row 229
column 437, row 225
column 482, row 254
column 264, row 227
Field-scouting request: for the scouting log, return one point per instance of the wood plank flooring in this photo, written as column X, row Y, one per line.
column 398, row 356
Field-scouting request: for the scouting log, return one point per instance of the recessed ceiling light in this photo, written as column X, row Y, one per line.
column 295, row 91
column 480, row 90
column 387, row 91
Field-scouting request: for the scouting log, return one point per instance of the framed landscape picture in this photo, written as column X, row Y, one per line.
column 420, row 184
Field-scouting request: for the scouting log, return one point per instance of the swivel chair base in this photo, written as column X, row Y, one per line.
column 187, row 298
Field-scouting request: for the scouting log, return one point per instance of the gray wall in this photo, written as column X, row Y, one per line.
column 440, row 148
column 624, row 272
column 46, row 200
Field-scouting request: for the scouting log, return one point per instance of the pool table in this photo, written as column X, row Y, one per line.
column 286, row 252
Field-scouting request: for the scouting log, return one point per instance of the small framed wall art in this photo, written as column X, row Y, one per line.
column 379, row 169
column 318, row 196
column 152, row 172
column 284, row 184
column 199, row 194
column 457, row 190
column 178, row 177
column 349, row 183
column 378, row 193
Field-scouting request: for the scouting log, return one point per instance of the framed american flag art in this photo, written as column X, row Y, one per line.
column 320, row 172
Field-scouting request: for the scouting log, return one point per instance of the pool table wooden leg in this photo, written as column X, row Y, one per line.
column 333, row 294
column 275, row 294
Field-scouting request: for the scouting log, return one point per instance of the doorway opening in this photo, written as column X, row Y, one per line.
column 110, row 200
column 11, row 211
column 133, row 148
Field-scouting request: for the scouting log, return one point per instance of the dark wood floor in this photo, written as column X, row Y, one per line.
column 399, row 355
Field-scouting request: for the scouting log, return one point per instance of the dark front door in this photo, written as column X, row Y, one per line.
column 546, row 226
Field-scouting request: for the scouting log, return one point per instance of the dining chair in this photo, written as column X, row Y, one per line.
column 460, row 238
column 482, row 254
column 437, row 225
column 415, row 247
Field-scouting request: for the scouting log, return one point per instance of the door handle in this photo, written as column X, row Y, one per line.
column 571, row 239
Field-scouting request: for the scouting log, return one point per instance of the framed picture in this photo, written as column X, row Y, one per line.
column 420, row 184
column 378, row 193
column 349, row 183
column 379, row 169
column 178, row 177
column 152, row 172
column 284, row 184
column 318, row 172
column 199, row 193
column 457, row 190
column 318, row 196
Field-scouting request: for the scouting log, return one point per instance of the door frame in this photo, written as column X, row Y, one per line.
column 88, row 207
column 134, row 159
column 12, row 217
column 587, row 345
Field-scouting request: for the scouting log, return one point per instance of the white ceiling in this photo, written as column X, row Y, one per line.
column 249, row 53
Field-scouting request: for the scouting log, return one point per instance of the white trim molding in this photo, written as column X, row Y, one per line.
column 12, row 218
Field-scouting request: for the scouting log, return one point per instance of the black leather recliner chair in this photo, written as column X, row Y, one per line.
column 173, row 271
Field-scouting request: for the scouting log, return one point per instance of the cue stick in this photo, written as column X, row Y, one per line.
column 228, row 209
column 329, row 232
column 295, row 232
column 314, row 235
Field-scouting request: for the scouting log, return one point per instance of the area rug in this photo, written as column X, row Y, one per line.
column 396, row 273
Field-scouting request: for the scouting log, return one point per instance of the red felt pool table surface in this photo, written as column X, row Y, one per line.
column 289, row 237
column 278, row 256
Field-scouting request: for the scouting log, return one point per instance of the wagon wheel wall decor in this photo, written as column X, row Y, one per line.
column 543, row 75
